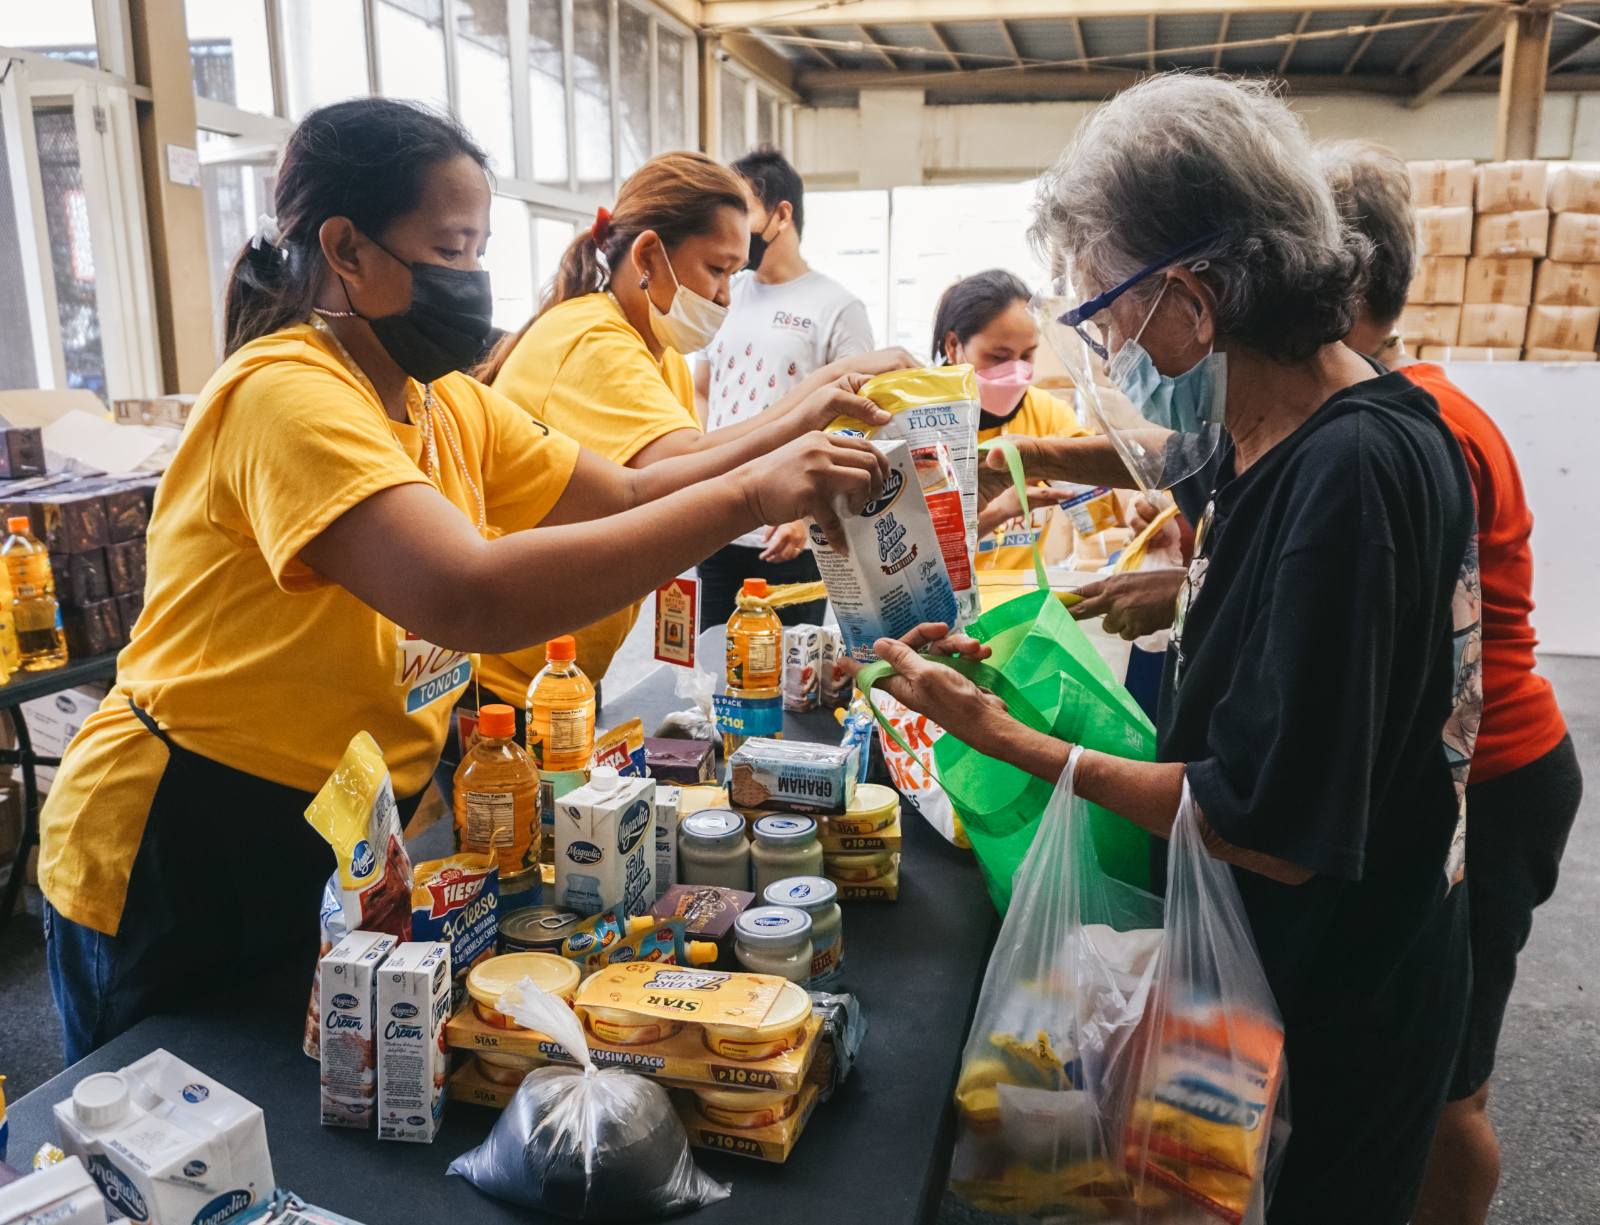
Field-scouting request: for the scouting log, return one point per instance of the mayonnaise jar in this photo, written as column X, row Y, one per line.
column 774, row 940
column 785, row 845
column 713, row 850
column 818, row 897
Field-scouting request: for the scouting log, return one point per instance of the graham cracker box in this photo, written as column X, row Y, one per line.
column 1444, row 231
column 1513, row 235
column 1560, row 284
column 1575, row 187
column 1511, row 187
column 1575, row 238
column 1498, row 327
column 1430, row 325
column 1563, row 327
column 1498, row 282
column 1442, row 184
column 1439, row 278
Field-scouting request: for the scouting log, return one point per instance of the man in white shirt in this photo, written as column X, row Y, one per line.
column 785, row 321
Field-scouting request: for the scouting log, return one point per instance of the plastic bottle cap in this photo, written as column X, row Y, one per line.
column 802, row 892
column 772, row 925
column 21, row 523
column 605, row 778
column 497, row 721
column 702, row 952
column 756, row 587
column 564, row 648
column 100, row 1100
column 785, row 830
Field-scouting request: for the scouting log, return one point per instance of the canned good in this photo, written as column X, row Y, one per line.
column 537, row 929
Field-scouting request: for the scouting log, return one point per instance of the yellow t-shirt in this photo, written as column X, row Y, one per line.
column 583, row 369
column 1042, row 415
column 245, row 655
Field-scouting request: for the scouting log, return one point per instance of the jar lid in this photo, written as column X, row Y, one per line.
column 876, row 801
column 100, row 1100
column 785, row 830
column 539, row 924
column 491, row 979
column 806, row 893
column 772, row 925
column 718, row 825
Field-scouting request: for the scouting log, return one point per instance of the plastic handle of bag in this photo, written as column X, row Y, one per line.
column 532, row 1008
column 984, row 675
column 1014, row 462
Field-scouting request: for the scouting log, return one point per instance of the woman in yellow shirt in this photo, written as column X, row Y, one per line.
column 603, row 360
column 983, row 320
column 345, row 519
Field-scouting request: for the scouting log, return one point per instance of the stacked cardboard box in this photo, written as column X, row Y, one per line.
column 1565, row 315
column 1510, row 231
column 1442, row 195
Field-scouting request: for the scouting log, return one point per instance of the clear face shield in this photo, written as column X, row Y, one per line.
column 1166, row 429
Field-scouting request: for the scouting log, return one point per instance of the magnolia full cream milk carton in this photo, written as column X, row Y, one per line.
column 606, row 844
column 349, row 1048
column 166, row 1144
column 413, row 1005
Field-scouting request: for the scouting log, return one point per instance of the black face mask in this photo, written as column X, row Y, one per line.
column 758, row 250
column 447, row 324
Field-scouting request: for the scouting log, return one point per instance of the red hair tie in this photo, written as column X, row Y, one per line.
column 601, row 229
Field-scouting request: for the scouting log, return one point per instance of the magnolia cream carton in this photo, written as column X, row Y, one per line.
column 893, row 576
column 349, row 1049
column 606, row 844
column 667, row 799
column 166, row 1144
column 60, row 1194
column 802, row 660
column 413, row 1005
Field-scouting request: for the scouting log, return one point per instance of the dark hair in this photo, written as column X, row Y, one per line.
column 366, row 159
column 675, row 194
column 774, row 179
column 972, row 304
column 1372, row 188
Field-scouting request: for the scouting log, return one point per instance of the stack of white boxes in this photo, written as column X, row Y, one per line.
column 1565, row 315
column 1441, row 192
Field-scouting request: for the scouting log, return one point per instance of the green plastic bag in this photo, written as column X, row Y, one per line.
column 1053, row 680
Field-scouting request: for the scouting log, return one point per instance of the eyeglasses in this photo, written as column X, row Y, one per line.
column 1080, row 318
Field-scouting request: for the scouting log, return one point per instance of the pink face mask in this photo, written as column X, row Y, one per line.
column 1001, row 388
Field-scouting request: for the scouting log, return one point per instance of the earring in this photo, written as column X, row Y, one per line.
column 644, row 282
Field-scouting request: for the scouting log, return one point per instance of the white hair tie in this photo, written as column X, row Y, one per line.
column 267, row 234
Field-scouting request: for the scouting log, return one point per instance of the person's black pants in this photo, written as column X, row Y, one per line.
column 724, row 572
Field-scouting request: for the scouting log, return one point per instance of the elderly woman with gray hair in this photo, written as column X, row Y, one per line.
column 1319, row 696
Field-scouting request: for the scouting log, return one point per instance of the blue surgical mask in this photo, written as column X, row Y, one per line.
column 1186, row 402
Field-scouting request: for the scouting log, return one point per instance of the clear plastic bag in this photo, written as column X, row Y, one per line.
column 1126, row 1057
column 582, row 1143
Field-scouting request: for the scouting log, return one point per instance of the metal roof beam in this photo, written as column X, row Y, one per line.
column 1011, row 43
column 720, row 14
column 1465, row 52
column 1575, row 51
column 1366, row 41
column 1294, row 40
column 874, row 46
column 944, row 45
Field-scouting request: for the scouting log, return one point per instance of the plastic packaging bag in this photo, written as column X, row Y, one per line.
column 1125, row 1060
column 581, row 1143
column 917, row 785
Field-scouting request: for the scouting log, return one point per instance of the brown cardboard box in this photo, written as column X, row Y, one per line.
column 1498, row 282
column 1563, row 327
column 1493, row 327
column 1440, row 278
column 1511, row 235
column 1575, row 238
column 1441, row 184
column 1511, row 187
column 1475, row 353
column 1558, row 355
column 1444, row 231
column 1575, row 187
column 1430, row 325
column 1559, row 284
column 168, row 410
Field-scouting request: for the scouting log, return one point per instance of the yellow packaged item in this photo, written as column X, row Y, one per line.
column 780, row 1031
column 489, row 980
column 621, row 748
column 889, row 838
column 885, row 888
column 744, row 1108
column 873, row 807
column 621, row 1027
column 849, row 868
column 713, row 1126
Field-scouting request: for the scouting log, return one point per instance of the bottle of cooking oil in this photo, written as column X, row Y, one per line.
column 35, row 615
column 755, row 640
column 561, row 710
column 10, row 656
column 497, row 794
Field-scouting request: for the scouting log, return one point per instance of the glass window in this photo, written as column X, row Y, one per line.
column 228, row 52
column 61, row 29
column 734, row 141
column 551, row 238
column 767, row 121
column 591, row 73
column 66, row 214
column 411, row 51
column 547, row 92
column 509, row 261
column 669, row 77
column 847, row 237
column 483, row 78
column 633, row 87
column 236, row 195
column 18, row 367
column 326, row 52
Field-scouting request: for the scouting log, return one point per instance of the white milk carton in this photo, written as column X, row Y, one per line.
column 60, row 1194
column 894, row 576
column 830, row 690
column 667, row 799
column 606, row 844
column 413, row 1005
column 802, row 661
column 166, row 1144
column 349, row 1037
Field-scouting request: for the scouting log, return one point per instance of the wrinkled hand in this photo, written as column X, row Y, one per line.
column 807, row 477
column 1133, row 605
column 784, row 541
column 1169, row 539
column 1006, row 505
column 941, row 693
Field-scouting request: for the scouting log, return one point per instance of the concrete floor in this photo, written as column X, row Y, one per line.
column 1545, row 1099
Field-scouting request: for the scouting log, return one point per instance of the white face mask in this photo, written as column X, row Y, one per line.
column 690, row 322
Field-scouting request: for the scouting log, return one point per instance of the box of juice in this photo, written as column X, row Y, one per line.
column 413, row 1006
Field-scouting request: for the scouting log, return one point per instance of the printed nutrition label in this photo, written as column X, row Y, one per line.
column 569, row 731
column 491, row 816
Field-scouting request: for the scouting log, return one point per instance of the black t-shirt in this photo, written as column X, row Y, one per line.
column 1322, row 696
